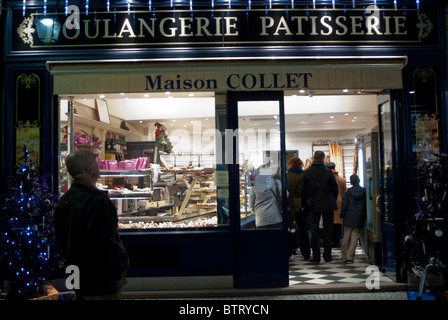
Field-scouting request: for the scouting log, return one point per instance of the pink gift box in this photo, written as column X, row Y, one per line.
column 129, row 165
column 113, row 165
column 102, row 164
column 143, row 162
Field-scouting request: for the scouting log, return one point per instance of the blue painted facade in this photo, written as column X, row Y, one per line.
column 215, row 252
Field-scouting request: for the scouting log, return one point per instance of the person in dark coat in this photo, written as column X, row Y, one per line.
column 353, row 213
column 294, row 178
column 319, row 194
column 86, row 230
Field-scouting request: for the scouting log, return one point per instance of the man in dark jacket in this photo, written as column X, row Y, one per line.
column 86, row 229
column 353, row 212
column 319, row 194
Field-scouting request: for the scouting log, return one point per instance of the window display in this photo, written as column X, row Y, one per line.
column 155, row 171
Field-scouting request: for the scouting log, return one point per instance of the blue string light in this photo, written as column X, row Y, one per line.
column 22, row 237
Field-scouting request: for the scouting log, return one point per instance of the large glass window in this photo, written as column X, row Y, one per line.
column 157, row 156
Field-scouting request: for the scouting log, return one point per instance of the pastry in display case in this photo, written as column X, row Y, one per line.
column 157, row 197
column 247, row 178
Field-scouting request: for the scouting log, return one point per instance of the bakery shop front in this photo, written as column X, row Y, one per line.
column 188, row 106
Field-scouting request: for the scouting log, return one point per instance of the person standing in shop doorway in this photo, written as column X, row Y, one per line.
column 319, row 193
column 342, row 186
column 353, row 212
column 294, row 178
column 86, row 229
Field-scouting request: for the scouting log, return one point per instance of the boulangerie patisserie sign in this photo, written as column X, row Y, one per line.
column 227, row 28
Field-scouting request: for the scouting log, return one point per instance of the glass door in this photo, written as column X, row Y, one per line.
column 387, row 182
column 261, row 226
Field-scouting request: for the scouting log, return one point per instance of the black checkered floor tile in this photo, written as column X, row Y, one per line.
column 305, row 272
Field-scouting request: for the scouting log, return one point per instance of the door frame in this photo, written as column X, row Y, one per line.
column 261, row 256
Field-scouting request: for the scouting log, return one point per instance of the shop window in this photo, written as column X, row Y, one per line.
column 157, row 156
column 425, row 114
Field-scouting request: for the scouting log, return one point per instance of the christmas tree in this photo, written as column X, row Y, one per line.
column 27, row 255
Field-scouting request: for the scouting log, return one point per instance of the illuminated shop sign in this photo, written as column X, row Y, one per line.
column 233, row 81
column 184, row 28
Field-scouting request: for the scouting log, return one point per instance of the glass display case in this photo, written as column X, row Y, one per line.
column 151, row 198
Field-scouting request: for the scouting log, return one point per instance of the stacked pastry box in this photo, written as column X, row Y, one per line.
column 84, row 139
column 140, row 163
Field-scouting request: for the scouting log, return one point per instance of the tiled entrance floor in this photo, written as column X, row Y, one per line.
column 305, row 272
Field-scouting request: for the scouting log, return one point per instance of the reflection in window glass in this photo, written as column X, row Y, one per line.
column 259, row 146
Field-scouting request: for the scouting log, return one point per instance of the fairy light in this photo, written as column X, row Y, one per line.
column 129, row 6
column 395, row 5
column 150, row 5
column 87, row 7
column 292, row 4
column 191, row 5
column 230, row 4
column 314, row 4
column 270, row 4
column 334, row 4
column 24, row 7
column 45, row 7
column 418, row 4
column 108, row 5
column 249, row 2
column 66, row 7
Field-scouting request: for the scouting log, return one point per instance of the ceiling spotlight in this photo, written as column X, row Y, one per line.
column 345, row 90
column 102, row 96
column 146, row 95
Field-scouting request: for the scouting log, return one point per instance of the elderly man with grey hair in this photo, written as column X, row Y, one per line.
column 86, row 228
